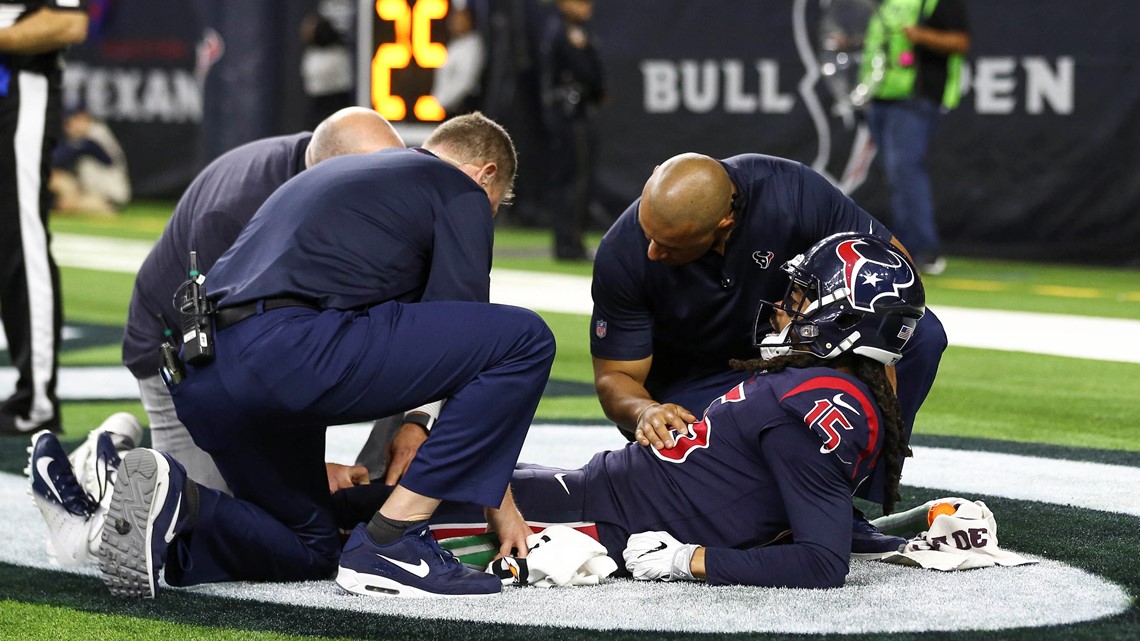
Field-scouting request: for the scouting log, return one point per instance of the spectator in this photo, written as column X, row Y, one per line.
column 457, row 85
column 89, row 169
column 912, row 63
column 326, row 68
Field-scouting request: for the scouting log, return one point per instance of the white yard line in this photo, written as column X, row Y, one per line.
column 1054, row 334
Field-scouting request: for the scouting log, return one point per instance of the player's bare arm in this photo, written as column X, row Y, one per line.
column 43, row 31
column 621, row 390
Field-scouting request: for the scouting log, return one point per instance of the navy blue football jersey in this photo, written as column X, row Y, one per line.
column 693, row 318
column 781, row 452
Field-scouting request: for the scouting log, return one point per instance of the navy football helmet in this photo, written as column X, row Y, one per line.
column 863, row 294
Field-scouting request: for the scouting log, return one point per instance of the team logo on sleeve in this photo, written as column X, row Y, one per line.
column 867, row 272
column 600, row 329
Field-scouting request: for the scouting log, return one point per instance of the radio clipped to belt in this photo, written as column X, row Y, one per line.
column 197, row 319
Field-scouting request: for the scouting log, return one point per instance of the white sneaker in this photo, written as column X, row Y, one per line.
column 126, row 434
column 67, row 509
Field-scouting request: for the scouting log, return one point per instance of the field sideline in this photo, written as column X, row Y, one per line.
column 999, row 402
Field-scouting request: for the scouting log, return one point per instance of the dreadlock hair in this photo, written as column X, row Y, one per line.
column 874, row 376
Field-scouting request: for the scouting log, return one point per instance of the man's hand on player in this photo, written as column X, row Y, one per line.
column 401, row 450
column 342, row 476
column 656, row 422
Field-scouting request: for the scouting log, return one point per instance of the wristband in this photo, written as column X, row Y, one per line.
column 422, row 419
column 682, row 562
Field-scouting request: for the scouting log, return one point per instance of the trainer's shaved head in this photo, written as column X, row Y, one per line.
column 686, row 208
column 352, row 130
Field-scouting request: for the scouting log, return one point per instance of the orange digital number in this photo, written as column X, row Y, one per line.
column 413, row 40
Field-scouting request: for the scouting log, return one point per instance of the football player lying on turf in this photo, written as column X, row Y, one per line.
column 780, row 453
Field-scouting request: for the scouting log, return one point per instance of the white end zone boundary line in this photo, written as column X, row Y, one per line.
column 906, row 599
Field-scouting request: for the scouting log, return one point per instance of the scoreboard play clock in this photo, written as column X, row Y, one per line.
column 401, row 44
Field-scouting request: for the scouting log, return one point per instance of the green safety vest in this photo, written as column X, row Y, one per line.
column 886, row 47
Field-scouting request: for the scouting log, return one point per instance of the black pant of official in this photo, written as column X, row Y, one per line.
column 29, row 279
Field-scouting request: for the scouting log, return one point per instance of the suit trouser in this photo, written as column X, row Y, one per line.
column 29, row 279
column 168, row 434
column 280, row 377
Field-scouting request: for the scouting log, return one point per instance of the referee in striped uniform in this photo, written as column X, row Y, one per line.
column 33, row 35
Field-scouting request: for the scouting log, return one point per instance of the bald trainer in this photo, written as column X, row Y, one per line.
column 679, row 277
column 208, row 218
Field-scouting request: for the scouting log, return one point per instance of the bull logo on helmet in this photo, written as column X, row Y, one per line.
column 872, row 275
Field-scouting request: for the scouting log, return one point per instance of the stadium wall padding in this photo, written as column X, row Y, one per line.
column 1041, row 161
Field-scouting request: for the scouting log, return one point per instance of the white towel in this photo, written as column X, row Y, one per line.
column 964, row 540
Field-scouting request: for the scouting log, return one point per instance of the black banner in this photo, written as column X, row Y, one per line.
column 141, row 70
column 1039, row 161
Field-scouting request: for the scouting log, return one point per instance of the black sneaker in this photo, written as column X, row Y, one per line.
column 412, row 566
column 867, row 542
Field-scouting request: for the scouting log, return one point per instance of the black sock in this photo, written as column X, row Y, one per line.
column 384, row 530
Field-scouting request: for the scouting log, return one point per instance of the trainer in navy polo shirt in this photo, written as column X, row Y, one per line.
column 208, row 218
column 692, row 318
column 364, row 239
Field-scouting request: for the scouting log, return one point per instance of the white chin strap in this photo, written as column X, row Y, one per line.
column 774, row 345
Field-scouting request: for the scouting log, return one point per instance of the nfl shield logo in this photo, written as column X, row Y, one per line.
column 600, row 329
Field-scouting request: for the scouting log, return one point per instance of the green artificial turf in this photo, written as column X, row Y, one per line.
column 1033, row 398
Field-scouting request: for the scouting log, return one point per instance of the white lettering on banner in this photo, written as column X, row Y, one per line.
column 702, row 86
column 699, row 90
column 134, row 94
column 996, row 84
column 1044, row 85
column 660, row 84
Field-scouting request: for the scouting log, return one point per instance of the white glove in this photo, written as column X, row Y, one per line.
column 657, row 556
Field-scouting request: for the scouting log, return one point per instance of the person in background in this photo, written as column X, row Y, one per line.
column 572, row 86
column 33, row 37
column 457, row 84
column 89, row 169
column 326, row 68
column 912, row 62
